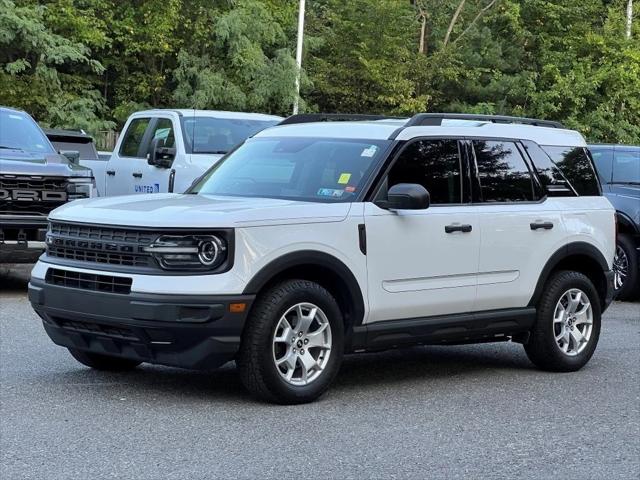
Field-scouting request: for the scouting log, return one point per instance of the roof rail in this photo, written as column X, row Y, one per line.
column 332, row 117
column 435, row 119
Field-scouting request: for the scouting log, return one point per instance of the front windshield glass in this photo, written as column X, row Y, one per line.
column 307, row 169
column 19, row 132
column 219, row 135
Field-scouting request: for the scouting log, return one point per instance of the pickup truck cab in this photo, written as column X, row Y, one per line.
column 163, row 151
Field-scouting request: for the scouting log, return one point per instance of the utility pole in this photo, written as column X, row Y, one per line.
column 629, row 18
column 299, row 55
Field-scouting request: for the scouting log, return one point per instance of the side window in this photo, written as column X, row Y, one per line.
column 603, row 158
column 575, row 165
column 163, row 132
column 434, row 164
column 626, row 167
column 133, row 137
column 549, row 174
column 503, row 173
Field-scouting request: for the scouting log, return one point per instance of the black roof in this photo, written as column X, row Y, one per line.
column 61, row 135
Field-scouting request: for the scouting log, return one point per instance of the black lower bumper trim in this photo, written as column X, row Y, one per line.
column 195, row 332
column 610, row 291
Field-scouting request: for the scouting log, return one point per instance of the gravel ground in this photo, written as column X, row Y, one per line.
column 443, row 412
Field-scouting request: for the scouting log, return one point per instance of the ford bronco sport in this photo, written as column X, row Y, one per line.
column 312, row 240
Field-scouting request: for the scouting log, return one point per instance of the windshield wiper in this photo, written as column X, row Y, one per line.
column 3, row 147
column 625, row 183
column 214, row 152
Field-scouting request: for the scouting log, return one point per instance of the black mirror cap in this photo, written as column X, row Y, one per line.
column 406, row 196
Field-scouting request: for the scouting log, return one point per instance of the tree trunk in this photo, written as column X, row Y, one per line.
column 452, row 24
column 629, row 18
column 423, row 34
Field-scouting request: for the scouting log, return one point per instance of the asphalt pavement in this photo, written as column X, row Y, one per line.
column 430, row 412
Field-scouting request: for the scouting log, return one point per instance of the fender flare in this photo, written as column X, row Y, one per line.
column 313, row 258
column 571, row 249
column 624, row 219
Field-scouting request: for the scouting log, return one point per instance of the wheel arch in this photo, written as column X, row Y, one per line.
column 322, row 268
column 580, row 257
column 626, row 224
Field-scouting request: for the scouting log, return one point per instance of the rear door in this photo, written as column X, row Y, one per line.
column 423, row 263
column 124, row 171
column 520, row 229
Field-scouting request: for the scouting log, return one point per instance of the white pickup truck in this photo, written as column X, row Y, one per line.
column 163, row 151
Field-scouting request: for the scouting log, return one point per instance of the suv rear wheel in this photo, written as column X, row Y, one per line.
column 625, row 267
column 567, row 326
column 293, row 343
column 103, row 362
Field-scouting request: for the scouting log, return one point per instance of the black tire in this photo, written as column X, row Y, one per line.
column 256, row 366
column 103, row 362
column 631, row 285
column 542, row 348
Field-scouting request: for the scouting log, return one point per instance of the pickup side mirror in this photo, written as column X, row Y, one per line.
column 161, row 157
column 406, row 196
column 72, row 155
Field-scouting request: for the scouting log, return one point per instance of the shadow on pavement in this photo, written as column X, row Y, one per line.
column 359, row 373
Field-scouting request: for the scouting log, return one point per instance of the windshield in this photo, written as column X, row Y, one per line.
column 219, row 135
column 307, row 169
column 19, row 132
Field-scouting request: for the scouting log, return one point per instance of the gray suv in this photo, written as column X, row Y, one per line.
column 619, row 170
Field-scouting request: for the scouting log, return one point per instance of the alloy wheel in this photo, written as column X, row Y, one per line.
column 302, row 344
column 573, row 322
column 620, row 268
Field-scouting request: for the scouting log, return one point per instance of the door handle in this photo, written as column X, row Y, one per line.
column 458, row 228
column 137, row 174
column 111, row 172
column 539, row 225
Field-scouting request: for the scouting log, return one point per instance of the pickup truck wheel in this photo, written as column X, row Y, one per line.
column 567, row 326
column 626, row 269
column 293, row 343
column 103, row 362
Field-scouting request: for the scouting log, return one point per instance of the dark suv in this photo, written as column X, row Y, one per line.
column 619, row 170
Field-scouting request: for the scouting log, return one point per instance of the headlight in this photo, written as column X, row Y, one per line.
column 83, row 187
column 188, row 252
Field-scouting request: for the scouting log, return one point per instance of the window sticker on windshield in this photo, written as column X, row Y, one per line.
column 350, row 189
column 344, row 178
column 369, row 152
column 330, row 192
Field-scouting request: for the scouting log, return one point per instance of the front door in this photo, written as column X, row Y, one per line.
column 424, row 262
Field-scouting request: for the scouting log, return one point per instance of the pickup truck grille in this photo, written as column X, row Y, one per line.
column 31, row 195
column 100, row 245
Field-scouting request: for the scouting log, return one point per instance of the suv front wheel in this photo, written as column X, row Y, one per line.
column 567, row 326
column 293, row 343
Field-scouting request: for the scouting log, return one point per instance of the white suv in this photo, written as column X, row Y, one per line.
column 313, row 240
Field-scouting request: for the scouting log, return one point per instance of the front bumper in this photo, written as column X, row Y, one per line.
column 195, row 332
column 21, row 239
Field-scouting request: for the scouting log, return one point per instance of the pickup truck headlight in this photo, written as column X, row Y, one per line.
column 83, row 187
column 188, row 252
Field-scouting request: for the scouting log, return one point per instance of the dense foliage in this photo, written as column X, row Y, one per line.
column 89, row 63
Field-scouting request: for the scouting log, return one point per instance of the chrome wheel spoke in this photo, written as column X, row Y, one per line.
column 574, row 302
column 577, row 338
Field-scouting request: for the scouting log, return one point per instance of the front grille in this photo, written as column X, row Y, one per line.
column 100, row 245
column 99, row 257
column 121, row 333
column 88, row 281
column 23, row 195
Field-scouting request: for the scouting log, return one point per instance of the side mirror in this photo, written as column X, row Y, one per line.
column 406, row 196
column 72, row 155
column 161, row 157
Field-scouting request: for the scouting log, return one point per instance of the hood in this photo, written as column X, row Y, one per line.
column 18, row 162
column 197, row 211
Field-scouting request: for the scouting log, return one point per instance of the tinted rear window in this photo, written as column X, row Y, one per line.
column 626, row 167
column 575, row 165
column 87, row 150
